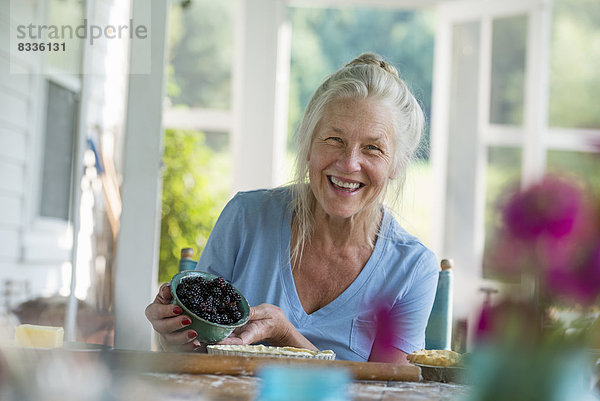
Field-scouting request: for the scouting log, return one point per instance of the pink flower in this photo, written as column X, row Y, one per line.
column 578, row 279
column 485, row 328
column 386, row 331
column 549, row 207
column 551, row 230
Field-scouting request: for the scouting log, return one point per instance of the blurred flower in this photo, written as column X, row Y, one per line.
column 579, row 280
column 550, row 207
column 509, row 322
column 548, row 251
column 385, row 332
column 551, row 234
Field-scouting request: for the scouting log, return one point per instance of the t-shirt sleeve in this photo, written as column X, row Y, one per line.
column 411, row 313
column 220, row 253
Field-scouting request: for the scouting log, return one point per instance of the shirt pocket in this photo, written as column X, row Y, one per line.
column 362, row 336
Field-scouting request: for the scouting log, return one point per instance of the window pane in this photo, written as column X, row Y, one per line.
column 574, row 64
column 581, row 166
column 61, row 123
column 201, row 50
column 416, row 204
column 503, row 175
column 196, row 186
column 509, row 40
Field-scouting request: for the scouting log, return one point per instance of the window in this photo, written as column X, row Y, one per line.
column 61, row 131
column 571, row 97
column 521, row 124
column 62, row 87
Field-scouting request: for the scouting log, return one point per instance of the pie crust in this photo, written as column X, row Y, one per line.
column 269, row 351
column 435, row 357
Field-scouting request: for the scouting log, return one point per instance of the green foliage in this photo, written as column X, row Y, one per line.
column 583, row 167
column 508, row 70
column 194, row 193
column 502, row 176
column 574, row 61
column 200, row 54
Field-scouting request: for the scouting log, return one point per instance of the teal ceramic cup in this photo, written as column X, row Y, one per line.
column 208, row 332
column 298, row 383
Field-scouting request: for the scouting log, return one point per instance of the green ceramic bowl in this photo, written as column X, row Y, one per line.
column 208, row 332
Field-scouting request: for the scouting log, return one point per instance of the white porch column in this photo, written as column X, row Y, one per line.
column 138, row 243
column 260, row 94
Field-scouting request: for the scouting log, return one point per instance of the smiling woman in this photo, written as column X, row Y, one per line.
column 348, row 170
column 318, row 258
column 369, row 92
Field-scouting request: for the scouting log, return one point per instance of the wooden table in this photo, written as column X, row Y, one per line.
column 201, row 377
column 177, row 386
column 161, row 376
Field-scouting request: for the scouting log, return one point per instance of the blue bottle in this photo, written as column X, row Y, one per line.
column 186, row 261
column 438, row 334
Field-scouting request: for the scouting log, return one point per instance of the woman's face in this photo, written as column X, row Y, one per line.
column 351, row 156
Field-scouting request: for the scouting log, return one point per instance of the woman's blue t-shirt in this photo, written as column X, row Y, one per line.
column 250, row 247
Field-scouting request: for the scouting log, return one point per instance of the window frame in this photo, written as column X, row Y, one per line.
column 534, row 137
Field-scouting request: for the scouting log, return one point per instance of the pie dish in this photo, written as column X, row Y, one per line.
column 450, row 374
column 435, row 357
column 439, row 365
column 269, row 351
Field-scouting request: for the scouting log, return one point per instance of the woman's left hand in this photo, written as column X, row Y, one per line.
column 268, row 324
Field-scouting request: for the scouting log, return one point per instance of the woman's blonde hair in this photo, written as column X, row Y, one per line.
column 366, row 77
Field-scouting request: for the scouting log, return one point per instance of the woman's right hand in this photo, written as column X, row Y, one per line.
column 268, row 324
column 166, row 319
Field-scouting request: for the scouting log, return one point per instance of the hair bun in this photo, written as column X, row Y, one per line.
column 373, row 59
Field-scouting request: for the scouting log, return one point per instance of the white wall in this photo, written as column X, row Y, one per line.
column 29, row 250
column 34, row 249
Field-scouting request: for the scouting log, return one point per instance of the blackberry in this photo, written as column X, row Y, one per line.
column 213, row 300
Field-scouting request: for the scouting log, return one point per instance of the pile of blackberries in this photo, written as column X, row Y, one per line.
column 213, row 300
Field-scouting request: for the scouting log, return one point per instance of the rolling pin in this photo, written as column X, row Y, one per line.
column 177, row 362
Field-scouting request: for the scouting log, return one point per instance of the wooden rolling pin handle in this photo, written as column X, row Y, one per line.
column 171, row 362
